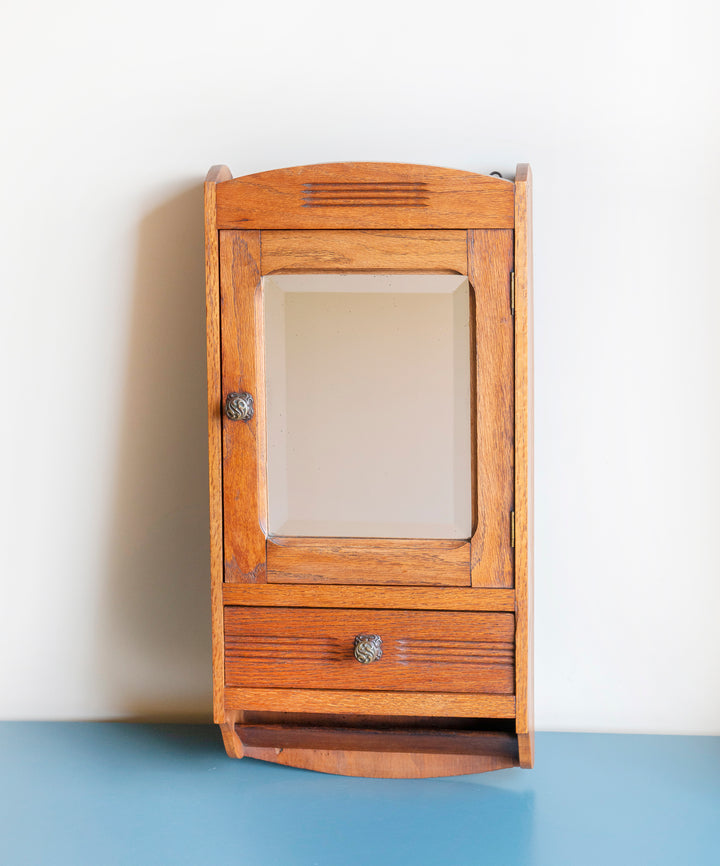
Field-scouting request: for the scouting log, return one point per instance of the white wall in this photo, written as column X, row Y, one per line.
column 112, row 115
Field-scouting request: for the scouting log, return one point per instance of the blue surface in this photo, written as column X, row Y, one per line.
column 85, row 793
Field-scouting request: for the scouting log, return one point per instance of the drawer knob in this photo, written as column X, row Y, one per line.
column 368, row 648
column 239, row 407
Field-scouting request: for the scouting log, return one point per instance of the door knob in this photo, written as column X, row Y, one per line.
column 368, row 648
column 239, row 406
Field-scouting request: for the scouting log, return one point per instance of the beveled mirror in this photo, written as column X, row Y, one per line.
column 367, row 385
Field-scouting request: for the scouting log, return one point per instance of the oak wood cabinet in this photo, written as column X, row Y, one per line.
column 375, row 622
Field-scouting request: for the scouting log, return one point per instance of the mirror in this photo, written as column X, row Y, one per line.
column 368, row 405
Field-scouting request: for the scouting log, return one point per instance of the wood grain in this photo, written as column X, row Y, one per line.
column 431, row 651
column 381, row 765
column 231, row 740
column 490, row 262
column 380, row 753
column 526, row 750
column 365, row 196
column 366, row 745
column 368, row 561
column 449, row 742
column 385, row 251
column 373, row 702
column 243, row 492
column 524, row 463
column 359, row 597
column 216, row 174
column 349, row 721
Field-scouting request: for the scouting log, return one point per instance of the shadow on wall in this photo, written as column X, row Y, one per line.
column 155, row 620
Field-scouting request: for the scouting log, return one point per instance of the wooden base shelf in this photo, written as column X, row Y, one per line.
column 380, row 753
column 380, row 740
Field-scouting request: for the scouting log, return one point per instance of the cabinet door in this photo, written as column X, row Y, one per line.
column 380, row 445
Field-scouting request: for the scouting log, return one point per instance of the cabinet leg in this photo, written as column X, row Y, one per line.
column 526, row 749
column 233, row 743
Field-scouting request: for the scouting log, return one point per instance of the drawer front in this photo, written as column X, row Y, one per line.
column 421, row 650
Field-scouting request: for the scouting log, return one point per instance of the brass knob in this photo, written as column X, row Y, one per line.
column 368, row 648
column 239, row 407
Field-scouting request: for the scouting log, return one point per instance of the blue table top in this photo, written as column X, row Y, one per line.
column 111, row 793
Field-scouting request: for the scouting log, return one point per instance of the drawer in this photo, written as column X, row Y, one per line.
column 421, row 650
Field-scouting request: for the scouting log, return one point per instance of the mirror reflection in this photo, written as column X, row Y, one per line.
column 368, row 405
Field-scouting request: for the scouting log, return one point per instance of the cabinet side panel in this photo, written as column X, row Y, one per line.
column 490, row 262
column 243, row 493
column 524, row 465
column 212, row 305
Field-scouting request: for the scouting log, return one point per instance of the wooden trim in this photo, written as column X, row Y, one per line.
column 365, row 196
column 367, row 561
column 524, row 463
column 244, row 492
column 361, row 597
column 381, row 703
column 384, row 251
column 212, row 304
column 260, row 402
column 490, row 262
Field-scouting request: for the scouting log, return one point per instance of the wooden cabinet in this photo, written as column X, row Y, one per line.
column 369, row 405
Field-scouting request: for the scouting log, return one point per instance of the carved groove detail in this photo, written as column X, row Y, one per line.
column 366, row 194
column 278, row 648
column 458, row 652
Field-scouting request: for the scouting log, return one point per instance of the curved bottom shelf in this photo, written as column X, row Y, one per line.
column 371, row 753
column 381, row 765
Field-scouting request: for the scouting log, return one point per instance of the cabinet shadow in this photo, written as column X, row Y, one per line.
column 155, row 616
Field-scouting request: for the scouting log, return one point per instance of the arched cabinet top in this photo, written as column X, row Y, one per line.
column 362, row 195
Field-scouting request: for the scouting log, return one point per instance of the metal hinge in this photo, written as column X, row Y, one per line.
column 512, row 529
column 512, row 293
